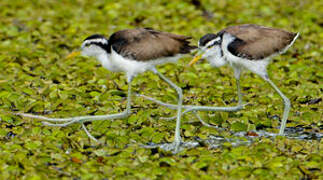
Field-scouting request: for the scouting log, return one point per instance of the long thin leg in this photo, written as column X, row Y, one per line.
column 237, row 73
column 286, row 106
column 81, row 119
column 128, row 107
column 190, row 108
column 239, row 92
column 88, row 133
column 206, row 124
column 177, row 140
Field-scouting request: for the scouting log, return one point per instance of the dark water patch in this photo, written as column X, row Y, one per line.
column 10, row 135
column 311, row 101
column 303, row 133
column 239, row 139
column 214, row 142
column 170, row 146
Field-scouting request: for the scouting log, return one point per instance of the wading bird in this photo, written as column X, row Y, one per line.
column 247, row 47
column 132, row 51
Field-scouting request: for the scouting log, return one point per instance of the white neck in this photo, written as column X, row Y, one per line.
column 103, row 58
column 226, row 40
column 214, row 56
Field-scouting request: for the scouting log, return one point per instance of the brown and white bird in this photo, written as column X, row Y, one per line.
column 248, row 47
column 132, row 51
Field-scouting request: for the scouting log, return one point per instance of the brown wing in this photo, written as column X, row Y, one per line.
column 145, row 44
column 258, row 42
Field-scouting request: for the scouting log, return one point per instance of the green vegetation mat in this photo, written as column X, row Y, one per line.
column 36, row 36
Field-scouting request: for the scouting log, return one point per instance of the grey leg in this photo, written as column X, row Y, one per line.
column 128, row 107
column 190, row 108
column 170, row 106
column 286, row 106
column 237, row 73
column 177, row 140
column 239, row 92
column 88, row 133
column 206, row 124
column 62, row 122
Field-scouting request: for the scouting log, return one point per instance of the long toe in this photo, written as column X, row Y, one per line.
column 174, row 147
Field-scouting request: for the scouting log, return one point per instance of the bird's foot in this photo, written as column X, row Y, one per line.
column 242, row 105
column 168, row 118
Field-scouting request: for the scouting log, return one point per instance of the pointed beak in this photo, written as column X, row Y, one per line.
column 73, row 54
column 197, row 57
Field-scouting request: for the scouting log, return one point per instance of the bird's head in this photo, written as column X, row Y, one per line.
column 94, row 45
column 209, row 48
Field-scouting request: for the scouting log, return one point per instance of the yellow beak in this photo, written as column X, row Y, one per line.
column 73, row 54
column 196, row 58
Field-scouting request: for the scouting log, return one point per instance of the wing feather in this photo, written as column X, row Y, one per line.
column 145, row 44
column 258, row 42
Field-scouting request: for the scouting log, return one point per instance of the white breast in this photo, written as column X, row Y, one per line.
column 133, row 67
column 214, row 56
column 105, row 61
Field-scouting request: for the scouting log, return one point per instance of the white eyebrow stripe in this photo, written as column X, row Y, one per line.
column 212, row 41
column 101, row 40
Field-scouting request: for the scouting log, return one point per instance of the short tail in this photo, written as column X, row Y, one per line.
column 186, row 47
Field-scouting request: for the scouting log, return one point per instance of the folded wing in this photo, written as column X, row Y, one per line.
column 144, row 44
column 257, row 42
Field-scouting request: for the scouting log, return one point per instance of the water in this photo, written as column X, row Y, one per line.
column 243, row 138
